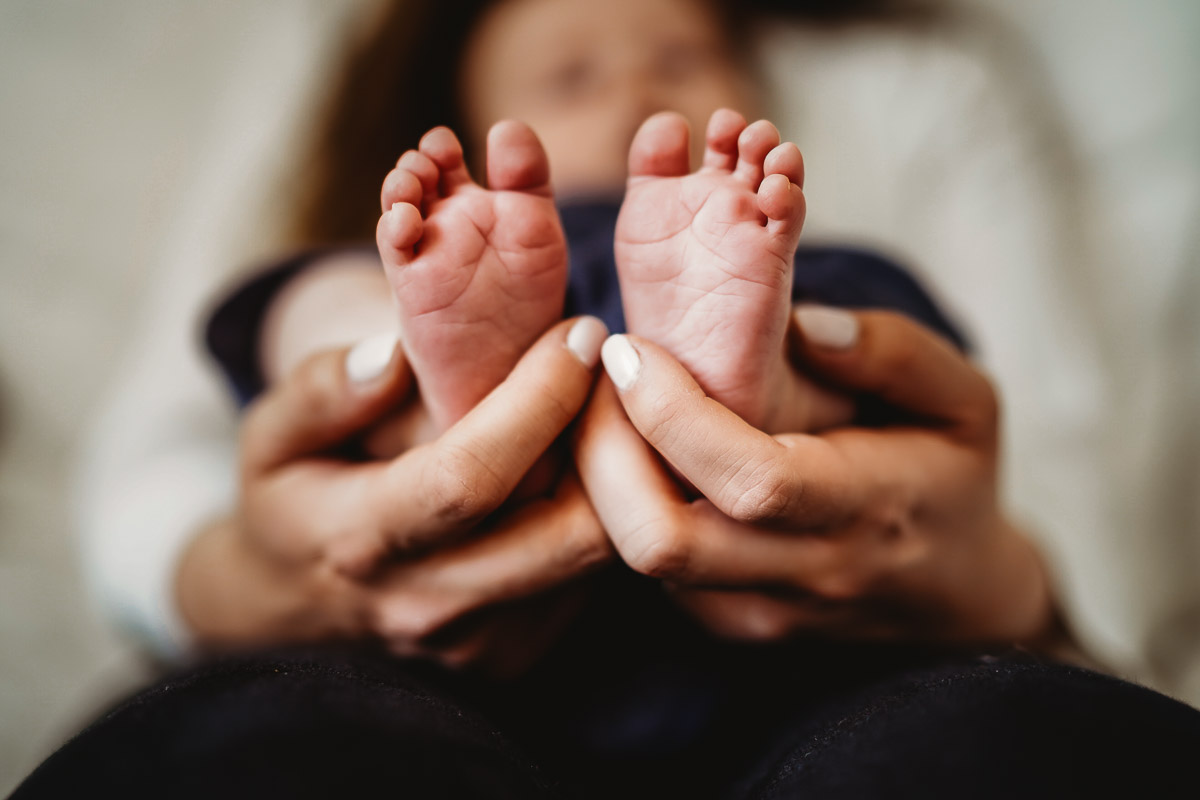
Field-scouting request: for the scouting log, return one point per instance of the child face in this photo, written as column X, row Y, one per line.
column 585, row 74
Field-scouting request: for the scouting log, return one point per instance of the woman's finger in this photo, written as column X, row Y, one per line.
column 446, row 487
column 896, row 359
column 323, row 402
column 660, row 532
column 542, row 545
column 747, row 474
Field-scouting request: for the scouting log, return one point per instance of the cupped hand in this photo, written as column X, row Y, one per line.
column 886, row 532
column 423, row 551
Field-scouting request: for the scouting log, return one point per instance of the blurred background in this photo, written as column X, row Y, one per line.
column 135, row 134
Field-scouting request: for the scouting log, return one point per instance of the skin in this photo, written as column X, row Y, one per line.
column 863, row 533
column 478, row 272
column 705, row 263
column 309, row 552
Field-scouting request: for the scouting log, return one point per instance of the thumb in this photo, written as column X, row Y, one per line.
column 325, row 400
column 896, row 360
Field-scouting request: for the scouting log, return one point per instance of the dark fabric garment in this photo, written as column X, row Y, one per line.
column 832, row 276
column 323, row 724
column 335, row 722
column 994, row 728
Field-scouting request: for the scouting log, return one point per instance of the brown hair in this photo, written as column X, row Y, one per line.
column 401, row 78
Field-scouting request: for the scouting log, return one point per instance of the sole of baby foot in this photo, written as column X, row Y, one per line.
column 705, row 258
column 478, row 272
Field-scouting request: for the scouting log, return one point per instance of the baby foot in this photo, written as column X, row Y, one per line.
column 705, row 259
column 478, row 274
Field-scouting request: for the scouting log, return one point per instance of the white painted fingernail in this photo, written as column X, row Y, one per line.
column 369, row 358
column 828, row 327
column 585, row 338
column 621, row 361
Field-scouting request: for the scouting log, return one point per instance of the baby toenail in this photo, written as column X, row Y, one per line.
column 585, row 338
column 828, row 327
column 621, row 361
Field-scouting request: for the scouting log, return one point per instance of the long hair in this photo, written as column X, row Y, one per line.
column 402, row 77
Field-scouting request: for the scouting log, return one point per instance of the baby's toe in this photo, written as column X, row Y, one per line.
column 443, row 148
column 782, row 201
column 516, row 160
column 721, row 139
column 423, row 169
column 660, row 147
column 397, row 233
column 786, row 160
column 754, row 143
column 401, row 186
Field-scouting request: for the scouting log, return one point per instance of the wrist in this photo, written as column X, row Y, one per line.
column 232, row 594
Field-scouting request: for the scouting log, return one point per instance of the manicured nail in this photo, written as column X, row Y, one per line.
column 828, row 327
column 370, row 358
column 621, row 361
column 585, row 338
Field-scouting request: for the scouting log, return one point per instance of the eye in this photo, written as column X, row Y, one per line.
column 570, row 79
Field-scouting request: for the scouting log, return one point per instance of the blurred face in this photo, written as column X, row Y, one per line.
column 585, row 74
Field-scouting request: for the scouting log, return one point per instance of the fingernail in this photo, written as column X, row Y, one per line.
column 585, row 338
column 828, row 327
column 368, row 359
column 621, row 361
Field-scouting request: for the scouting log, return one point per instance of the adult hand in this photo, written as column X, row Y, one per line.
column 420, row 550
column 861, row 532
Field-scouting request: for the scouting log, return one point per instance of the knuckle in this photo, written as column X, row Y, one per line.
column 586, row 544
column 660, row 549
column 766, row 492
column 460, row 487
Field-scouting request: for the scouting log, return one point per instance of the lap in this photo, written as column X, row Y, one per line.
column 669, row 716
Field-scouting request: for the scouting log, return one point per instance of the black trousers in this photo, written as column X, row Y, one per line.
column 663, row 712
